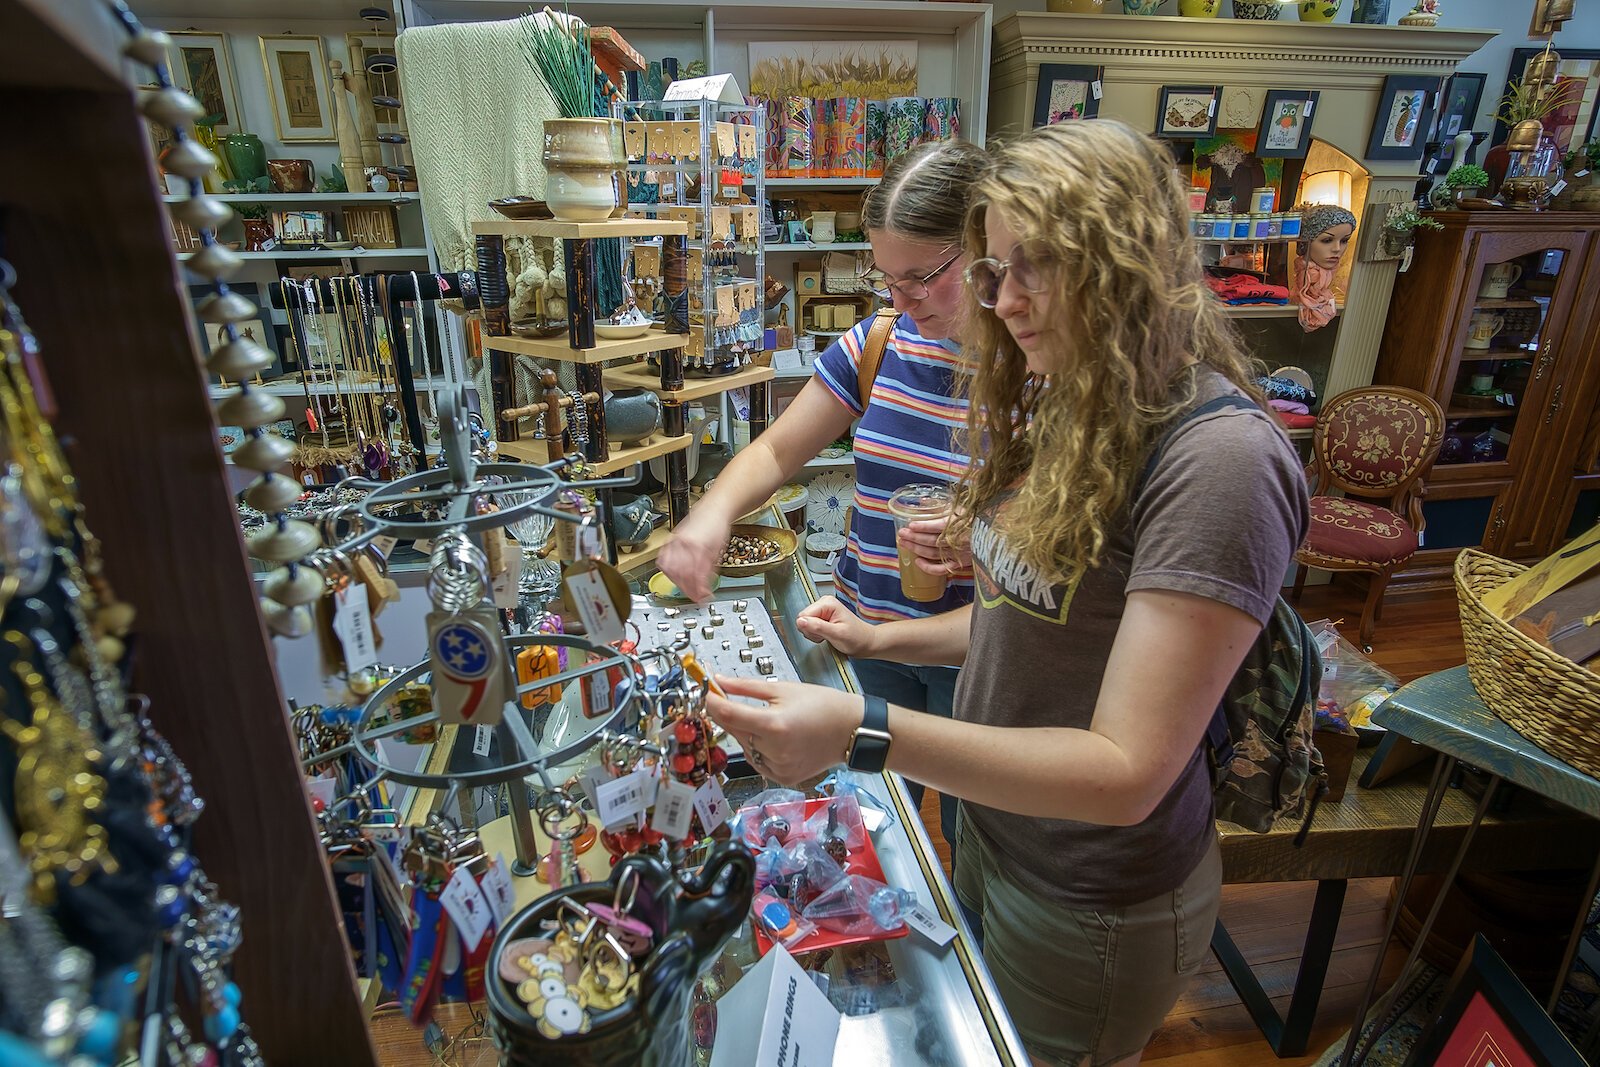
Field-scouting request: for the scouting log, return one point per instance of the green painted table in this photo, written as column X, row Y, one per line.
column 1443, row 711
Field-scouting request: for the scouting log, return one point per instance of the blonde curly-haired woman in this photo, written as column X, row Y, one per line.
column 1112, row 609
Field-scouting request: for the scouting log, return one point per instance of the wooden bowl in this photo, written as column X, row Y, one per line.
column 522, row 207
column 785, row 538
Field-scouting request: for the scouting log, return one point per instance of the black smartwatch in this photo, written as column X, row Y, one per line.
column 869, row 745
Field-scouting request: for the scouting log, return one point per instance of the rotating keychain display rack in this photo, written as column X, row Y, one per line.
column 454, row 487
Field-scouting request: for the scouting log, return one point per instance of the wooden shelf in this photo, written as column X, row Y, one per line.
column 1516, row 302
column 645, row 553
column 836, row 246
column 396, row 199
column 1478, row 355
column 533, row 451
column 572, row 231
column 557, row 347
column 1261, row 311
column 1501, row 412
column 325, row 253
column 830, row 463
column 644, row 376
column 816, row 183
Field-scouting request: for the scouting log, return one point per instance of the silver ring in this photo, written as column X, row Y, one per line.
column 756, row 758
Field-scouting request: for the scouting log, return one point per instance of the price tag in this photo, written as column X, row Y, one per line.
column 674, row 809
column 596, row 690
column 873, row 819
column 506, row 588
column 384, row 544
column 352, row 622
column 1433, row 164
column 1211, row 109
column 592, row 780
column 423, row 545
column 620, row 799
column 467, row 907
column 481, row 736
column 1310, row 104
column 587, row 590
column 1555, row 190
column 1580, row 173
column 748, row 147
column 269, row 244
column 322, row 789
column 1094, row 87
column 382, row 831
column 589, row 543
column 711, row 805
column 929, row 925
column 497, row 887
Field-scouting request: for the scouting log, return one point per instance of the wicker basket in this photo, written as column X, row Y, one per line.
column 1545, row 697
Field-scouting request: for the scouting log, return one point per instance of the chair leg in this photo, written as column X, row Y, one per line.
column 1300, row 580
column 1369, row 613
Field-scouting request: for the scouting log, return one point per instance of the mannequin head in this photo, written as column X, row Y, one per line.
column 1325, row 232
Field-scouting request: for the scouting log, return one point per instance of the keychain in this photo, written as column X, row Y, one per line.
column 541, row 661
column 472, row 677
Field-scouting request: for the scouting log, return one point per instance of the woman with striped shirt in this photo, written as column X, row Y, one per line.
column 913, row 219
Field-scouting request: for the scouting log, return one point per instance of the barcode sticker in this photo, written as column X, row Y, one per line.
column 620, row 799
column 482, row 734
column 1310, row 104
column 1095, row 88
column 1555, row 190
column 352, row 622
column 674, row 809
column 929, row 925
column 384, row 544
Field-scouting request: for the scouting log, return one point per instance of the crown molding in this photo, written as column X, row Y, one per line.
column 1293, row 47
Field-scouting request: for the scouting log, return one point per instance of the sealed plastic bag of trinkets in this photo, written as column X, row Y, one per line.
column 814, row 871
column 875, row 814
column 837, row 824
column 774, row 864
column 772, row 814
column 780, row 920
column 860, row 906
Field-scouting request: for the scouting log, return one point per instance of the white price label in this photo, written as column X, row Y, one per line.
column 482, row 734
column 352, row 622
column 1433, row 164
column 1211, row 109
column 712, row 805
column 423, row 545
column 384, row 544
column 468, row 908
column 929, row 925
column 1555, row 190
column 621, row 799
column 1310, row 104
column 1095, row 88
column 596, row 695
column 592, row 780
column 589, row 544
column 381, row 831
column 1580, row 173
column 587, row 590
column 506, row 588
column 497, row 887
column 674, row 809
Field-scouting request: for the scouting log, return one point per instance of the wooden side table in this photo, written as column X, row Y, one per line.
column 1443, row 711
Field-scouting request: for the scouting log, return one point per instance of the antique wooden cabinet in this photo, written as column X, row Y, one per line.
column 1496, row 321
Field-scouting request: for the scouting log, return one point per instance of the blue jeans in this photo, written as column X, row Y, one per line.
column 930, row 689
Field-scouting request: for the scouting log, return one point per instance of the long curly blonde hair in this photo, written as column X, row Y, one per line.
column 1099, row 206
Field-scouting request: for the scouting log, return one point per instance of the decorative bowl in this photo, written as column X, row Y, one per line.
column 786, row 540
column 522, row 207
column 612, row 332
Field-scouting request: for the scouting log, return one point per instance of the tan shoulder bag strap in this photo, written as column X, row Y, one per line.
column 872, row 352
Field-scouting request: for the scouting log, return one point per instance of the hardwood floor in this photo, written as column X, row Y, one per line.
column 1417, row 635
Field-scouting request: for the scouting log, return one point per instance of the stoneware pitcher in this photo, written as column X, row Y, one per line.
column 691, row 923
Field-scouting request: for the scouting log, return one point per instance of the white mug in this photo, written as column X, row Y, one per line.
column 820, row 227
column 1498, row 278
column 1482, row 329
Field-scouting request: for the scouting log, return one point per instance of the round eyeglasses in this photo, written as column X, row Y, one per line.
column 910, row 288
column 985, row 276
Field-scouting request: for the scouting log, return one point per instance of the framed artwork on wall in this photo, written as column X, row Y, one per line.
column 297, row 85
column 1458, row 108
column 1405, row 115
column 200, row 63
column 1489, row 1019
column 1186, row 112
column 1286, row 123
column 1573, row 125
column 1066, row 93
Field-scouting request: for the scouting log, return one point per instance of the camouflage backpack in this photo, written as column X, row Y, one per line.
column 1262, row 758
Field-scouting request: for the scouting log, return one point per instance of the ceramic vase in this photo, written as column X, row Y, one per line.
column 1140, row 7
column 581, row 161
column 1078, row 7
column 1258, row 10
column 632, row 415
column 292, row 175
column 1199, row 9
column 1319, row 10
column 1370, row 12
column 246, row 155
column 691, row 923
column 257, row 232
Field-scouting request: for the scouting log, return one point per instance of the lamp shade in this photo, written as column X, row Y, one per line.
column 1326, row 187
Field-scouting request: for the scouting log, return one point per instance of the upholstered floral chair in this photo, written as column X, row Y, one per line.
column 1375, row 445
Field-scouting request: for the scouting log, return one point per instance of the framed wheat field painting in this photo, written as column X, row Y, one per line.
column 297, row 84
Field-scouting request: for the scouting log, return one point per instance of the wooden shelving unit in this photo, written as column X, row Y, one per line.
column 647, row 552
column 601, row 352
column 641, row 376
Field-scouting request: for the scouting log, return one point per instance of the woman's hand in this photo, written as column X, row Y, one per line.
column 830, row 621
column 925, row 539
column 691, row 556
column 802, row 731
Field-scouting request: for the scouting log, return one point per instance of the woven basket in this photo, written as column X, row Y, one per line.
column 1545, row 697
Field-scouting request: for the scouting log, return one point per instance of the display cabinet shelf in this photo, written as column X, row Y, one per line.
column 1499, row 411
column 574, row 231
column 397, row 199
column 326, row 253
column 837, row 246
column 646, row 553
column 1480, row 355
column 557, row 348
column 644, row 376
column 1504, row 303
column 652, row 447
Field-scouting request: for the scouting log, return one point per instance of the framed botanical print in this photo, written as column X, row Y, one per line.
column 1066, row 93
column 200, row 62
column 1286, row 123
column 1186, row 112
column 1573, row 124
column 1458, row 107
column 1405, row 115
column 1489, row 1019
column 297, row 85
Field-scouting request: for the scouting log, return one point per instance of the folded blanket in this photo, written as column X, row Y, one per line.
column 1288, row 407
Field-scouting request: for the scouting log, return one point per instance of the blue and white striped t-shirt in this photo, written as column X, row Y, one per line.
column 903, row 438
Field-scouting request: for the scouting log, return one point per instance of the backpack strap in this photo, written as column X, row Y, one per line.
column 872, row 351
column 1226, row 402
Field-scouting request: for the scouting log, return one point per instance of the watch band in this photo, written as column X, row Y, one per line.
column 869, row 745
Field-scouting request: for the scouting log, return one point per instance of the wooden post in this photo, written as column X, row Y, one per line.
column 355, row 175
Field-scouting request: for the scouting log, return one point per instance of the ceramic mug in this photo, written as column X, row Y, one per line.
column 820, row 227
column 1482, row 329
column 848, row 221
column 1498, row 278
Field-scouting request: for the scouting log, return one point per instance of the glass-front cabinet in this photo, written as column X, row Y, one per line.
column 1494, row 321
